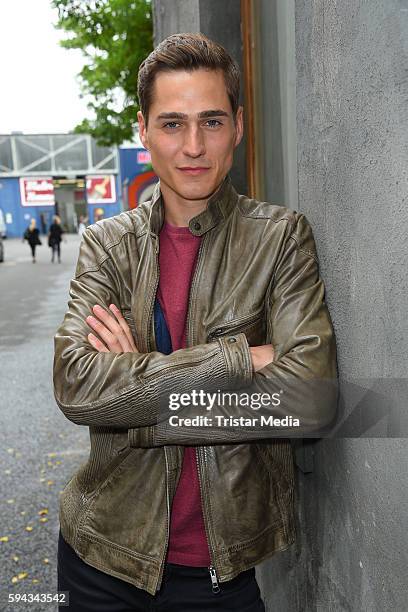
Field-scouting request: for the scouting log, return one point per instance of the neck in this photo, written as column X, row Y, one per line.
column 177, row 210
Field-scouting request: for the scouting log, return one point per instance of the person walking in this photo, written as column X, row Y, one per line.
column 32, row 235
column 55, row 238
column 82, row 225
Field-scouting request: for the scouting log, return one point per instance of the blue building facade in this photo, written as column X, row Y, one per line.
column 17, row 216
column 68, row 174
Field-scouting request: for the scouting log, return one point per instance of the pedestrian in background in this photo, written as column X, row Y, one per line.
column 32, row 235
column 55, row 238
column 82, row 225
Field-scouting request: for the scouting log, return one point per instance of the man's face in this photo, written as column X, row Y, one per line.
column 191, row 132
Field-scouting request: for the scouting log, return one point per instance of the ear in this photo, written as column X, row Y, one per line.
column 239, row 126
column 142, row 130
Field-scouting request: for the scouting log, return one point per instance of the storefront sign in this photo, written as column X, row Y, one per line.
column 37, row 191
column 100, row 189
column 143, row 157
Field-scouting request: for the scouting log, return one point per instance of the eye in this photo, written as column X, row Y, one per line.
column 171, row 125
column 213, row 123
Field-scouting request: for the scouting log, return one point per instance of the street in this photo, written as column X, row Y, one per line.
column 40, row 448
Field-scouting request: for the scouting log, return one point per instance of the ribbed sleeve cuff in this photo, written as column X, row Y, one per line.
column 238, row 359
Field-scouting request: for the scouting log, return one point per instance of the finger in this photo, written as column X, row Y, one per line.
column 124, row 325
column 113, row 326
column 103, row 332
column 97, row 344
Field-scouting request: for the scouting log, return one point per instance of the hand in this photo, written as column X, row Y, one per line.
column 112, row 329
column 261, row 356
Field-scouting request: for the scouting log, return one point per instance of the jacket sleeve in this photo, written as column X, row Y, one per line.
column 304, row 370
column 128, row 389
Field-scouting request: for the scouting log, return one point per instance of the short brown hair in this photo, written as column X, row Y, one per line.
column 187, row 51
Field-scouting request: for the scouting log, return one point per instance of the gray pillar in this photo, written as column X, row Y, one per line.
column 351, row 95
column 220, row 21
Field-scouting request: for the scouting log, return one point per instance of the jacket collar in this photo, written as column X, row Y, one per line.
column 219, row 206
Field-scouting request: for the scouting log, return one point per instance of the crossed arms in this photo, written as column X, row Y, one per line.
column 114, row 336
column 102, row 379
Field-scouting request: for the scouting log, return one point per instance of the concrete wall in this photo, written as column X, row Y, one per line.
column 221, row 22
column 352, row 165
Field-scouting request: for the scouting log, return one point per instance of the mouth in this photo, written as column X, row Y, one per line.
column 194, row 171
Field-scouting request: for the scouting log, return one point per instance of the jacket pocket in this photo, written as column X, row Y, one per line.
column 242, row 496
column 89, row 496
column 253, row 325
column 129, row 508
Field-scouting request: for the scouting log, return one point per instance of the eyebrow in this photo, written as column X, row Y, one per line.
column 203, row 115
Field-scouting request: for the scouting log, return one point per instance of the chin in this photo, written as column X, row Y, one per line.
column 195, row 194
column 198, row 190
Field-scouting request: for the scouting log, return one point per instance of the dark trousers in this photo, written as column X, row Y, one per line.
column 33, row 247
column 184, row 589
column 56, row 248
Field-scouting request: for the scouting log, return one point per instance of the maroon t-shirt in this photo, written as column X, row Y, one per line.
column 177, row 258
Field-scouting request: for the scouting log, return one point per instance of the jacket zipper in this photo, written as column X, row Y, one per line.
column 234, row 326
column 211, row 569
column 214, row 581
column 192, row 286
column 156, row 252
column 160, row 577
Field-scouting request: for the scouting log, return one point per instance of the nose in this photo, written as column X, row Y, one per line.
column 194, row 145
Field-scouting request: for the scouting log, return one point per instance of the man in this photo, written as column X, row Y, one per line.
column 198, row 291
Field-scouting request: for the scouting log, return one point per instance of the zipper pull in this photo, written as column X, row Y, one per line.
column 214, row 581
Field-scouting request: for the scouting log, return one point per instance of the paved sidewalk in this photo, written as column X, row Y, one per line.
column 39, row 448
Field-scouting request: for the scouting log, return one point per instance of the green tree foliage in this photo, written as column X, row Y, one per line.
column 114, row 36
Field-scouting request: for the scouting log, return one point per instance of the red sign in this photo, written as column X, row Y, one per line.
column 37, row 191
column 143, row 157
column 100, row 189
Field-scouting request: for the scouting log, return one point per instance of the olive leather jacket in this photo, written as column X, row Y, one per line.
column 256, row 281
